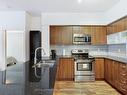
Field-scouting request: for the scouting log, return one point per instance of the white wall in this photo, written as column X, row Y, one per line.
column 35, row 23
column 2, row 50
column 72, row 18
column 45, row 39
column 12, row 20
column 116, row 12
column 15, row 45
column 26, row 40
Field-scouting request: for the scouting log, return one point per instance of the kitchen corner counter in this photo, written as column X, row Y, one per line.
column 116, row 58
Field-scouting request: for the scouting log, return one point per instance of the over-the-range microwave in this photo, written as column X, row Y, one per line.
column 81, row 39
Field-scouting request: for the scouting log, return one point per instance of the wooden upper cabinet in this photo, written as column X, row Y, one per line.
column 55, row 35
column 120, row 25
column 86, row 29
column 60, row 35
column 117, row 26
column 109, row 29
column 98, row 35
column 67, row 35
column 63, row 35
column 76, row 30
column 82, row 30
column 126, row 23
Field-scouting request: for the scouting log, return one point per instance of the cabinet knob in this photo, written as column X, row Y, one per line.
column 123, row 81
column 123, row 74
column 123, row 66
column 123, row 89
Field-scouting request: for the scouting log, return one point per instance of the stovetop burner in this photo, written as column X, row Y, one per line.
column 81, row 54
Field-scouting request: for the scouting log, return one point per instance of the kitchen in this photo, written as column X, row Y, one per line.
column 102, row 31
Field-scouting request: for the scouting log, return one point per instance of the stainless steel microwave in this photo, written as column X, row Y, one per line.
column 81, row 39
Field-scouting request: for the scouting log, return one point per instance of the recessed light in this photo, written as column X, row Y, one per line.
column 79, row 1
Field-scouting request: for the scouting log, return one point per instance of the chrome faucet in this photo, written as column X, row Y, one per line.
column 35, row 60
column 35, row 53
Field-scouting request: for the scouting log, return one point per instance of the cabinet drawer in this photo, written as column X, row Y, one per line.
column 123, row 74
column 123, row 66
column 123, row 88
column 123, row 81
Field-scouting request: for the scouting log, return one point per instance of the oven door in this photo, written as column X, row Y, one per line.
column 84, row 67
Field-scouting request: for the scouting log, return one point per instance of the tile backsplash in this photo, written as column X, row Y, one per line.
column 117, row 49
column 93, row 49
column 112, row 49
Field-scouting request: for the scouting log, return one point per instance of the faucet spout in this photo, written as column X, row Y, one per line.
column 35, row 53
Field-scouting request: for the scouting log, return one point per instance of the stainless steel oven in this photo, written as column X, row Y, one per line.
column 84, row 65
column 81, row 39
column 84, row 70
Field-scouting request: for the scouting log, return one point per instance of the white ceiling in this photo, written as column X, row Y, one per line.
column 37, row 6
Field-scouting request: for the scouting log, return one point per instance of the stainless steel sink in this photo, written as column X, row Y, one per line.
column 45, row 63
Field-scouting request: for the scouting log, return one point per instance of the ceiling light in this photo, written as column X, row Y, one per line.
column 79, row 1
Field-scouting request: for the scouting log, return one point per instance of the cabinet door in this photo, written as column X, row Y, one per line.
column 86, row 29
column 121, row 25
column 117, row 26
column 99, row 68
column 116, row 74
column 108, row 29
column 107, row 70
column 99, row 34
column 65, row 70
column 123, row 77
column 55, row 35
column 76, row 30
column 61, row 35
column 66, row 35
column 126, row 23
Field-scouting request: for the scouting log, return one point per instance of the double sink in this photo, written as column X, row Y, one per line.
column 45, row 63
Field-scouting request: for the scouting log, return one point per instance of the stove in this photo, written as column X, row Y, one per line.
column 84, row 65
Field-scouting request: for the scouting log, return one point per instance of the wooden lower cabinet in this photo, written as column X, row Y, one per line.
column 123, row 78
column 99, row 68
column 65, row 69
column 116, row 75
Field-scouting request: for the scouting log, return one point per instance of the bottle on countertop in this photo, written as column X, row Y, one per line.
column 53, row 54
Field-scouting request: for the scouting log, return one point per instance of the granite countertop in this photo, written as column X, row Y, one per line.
column 116, row 58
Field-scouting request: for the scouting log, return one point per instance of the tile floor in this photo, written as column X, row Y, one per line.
column 87, row 88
